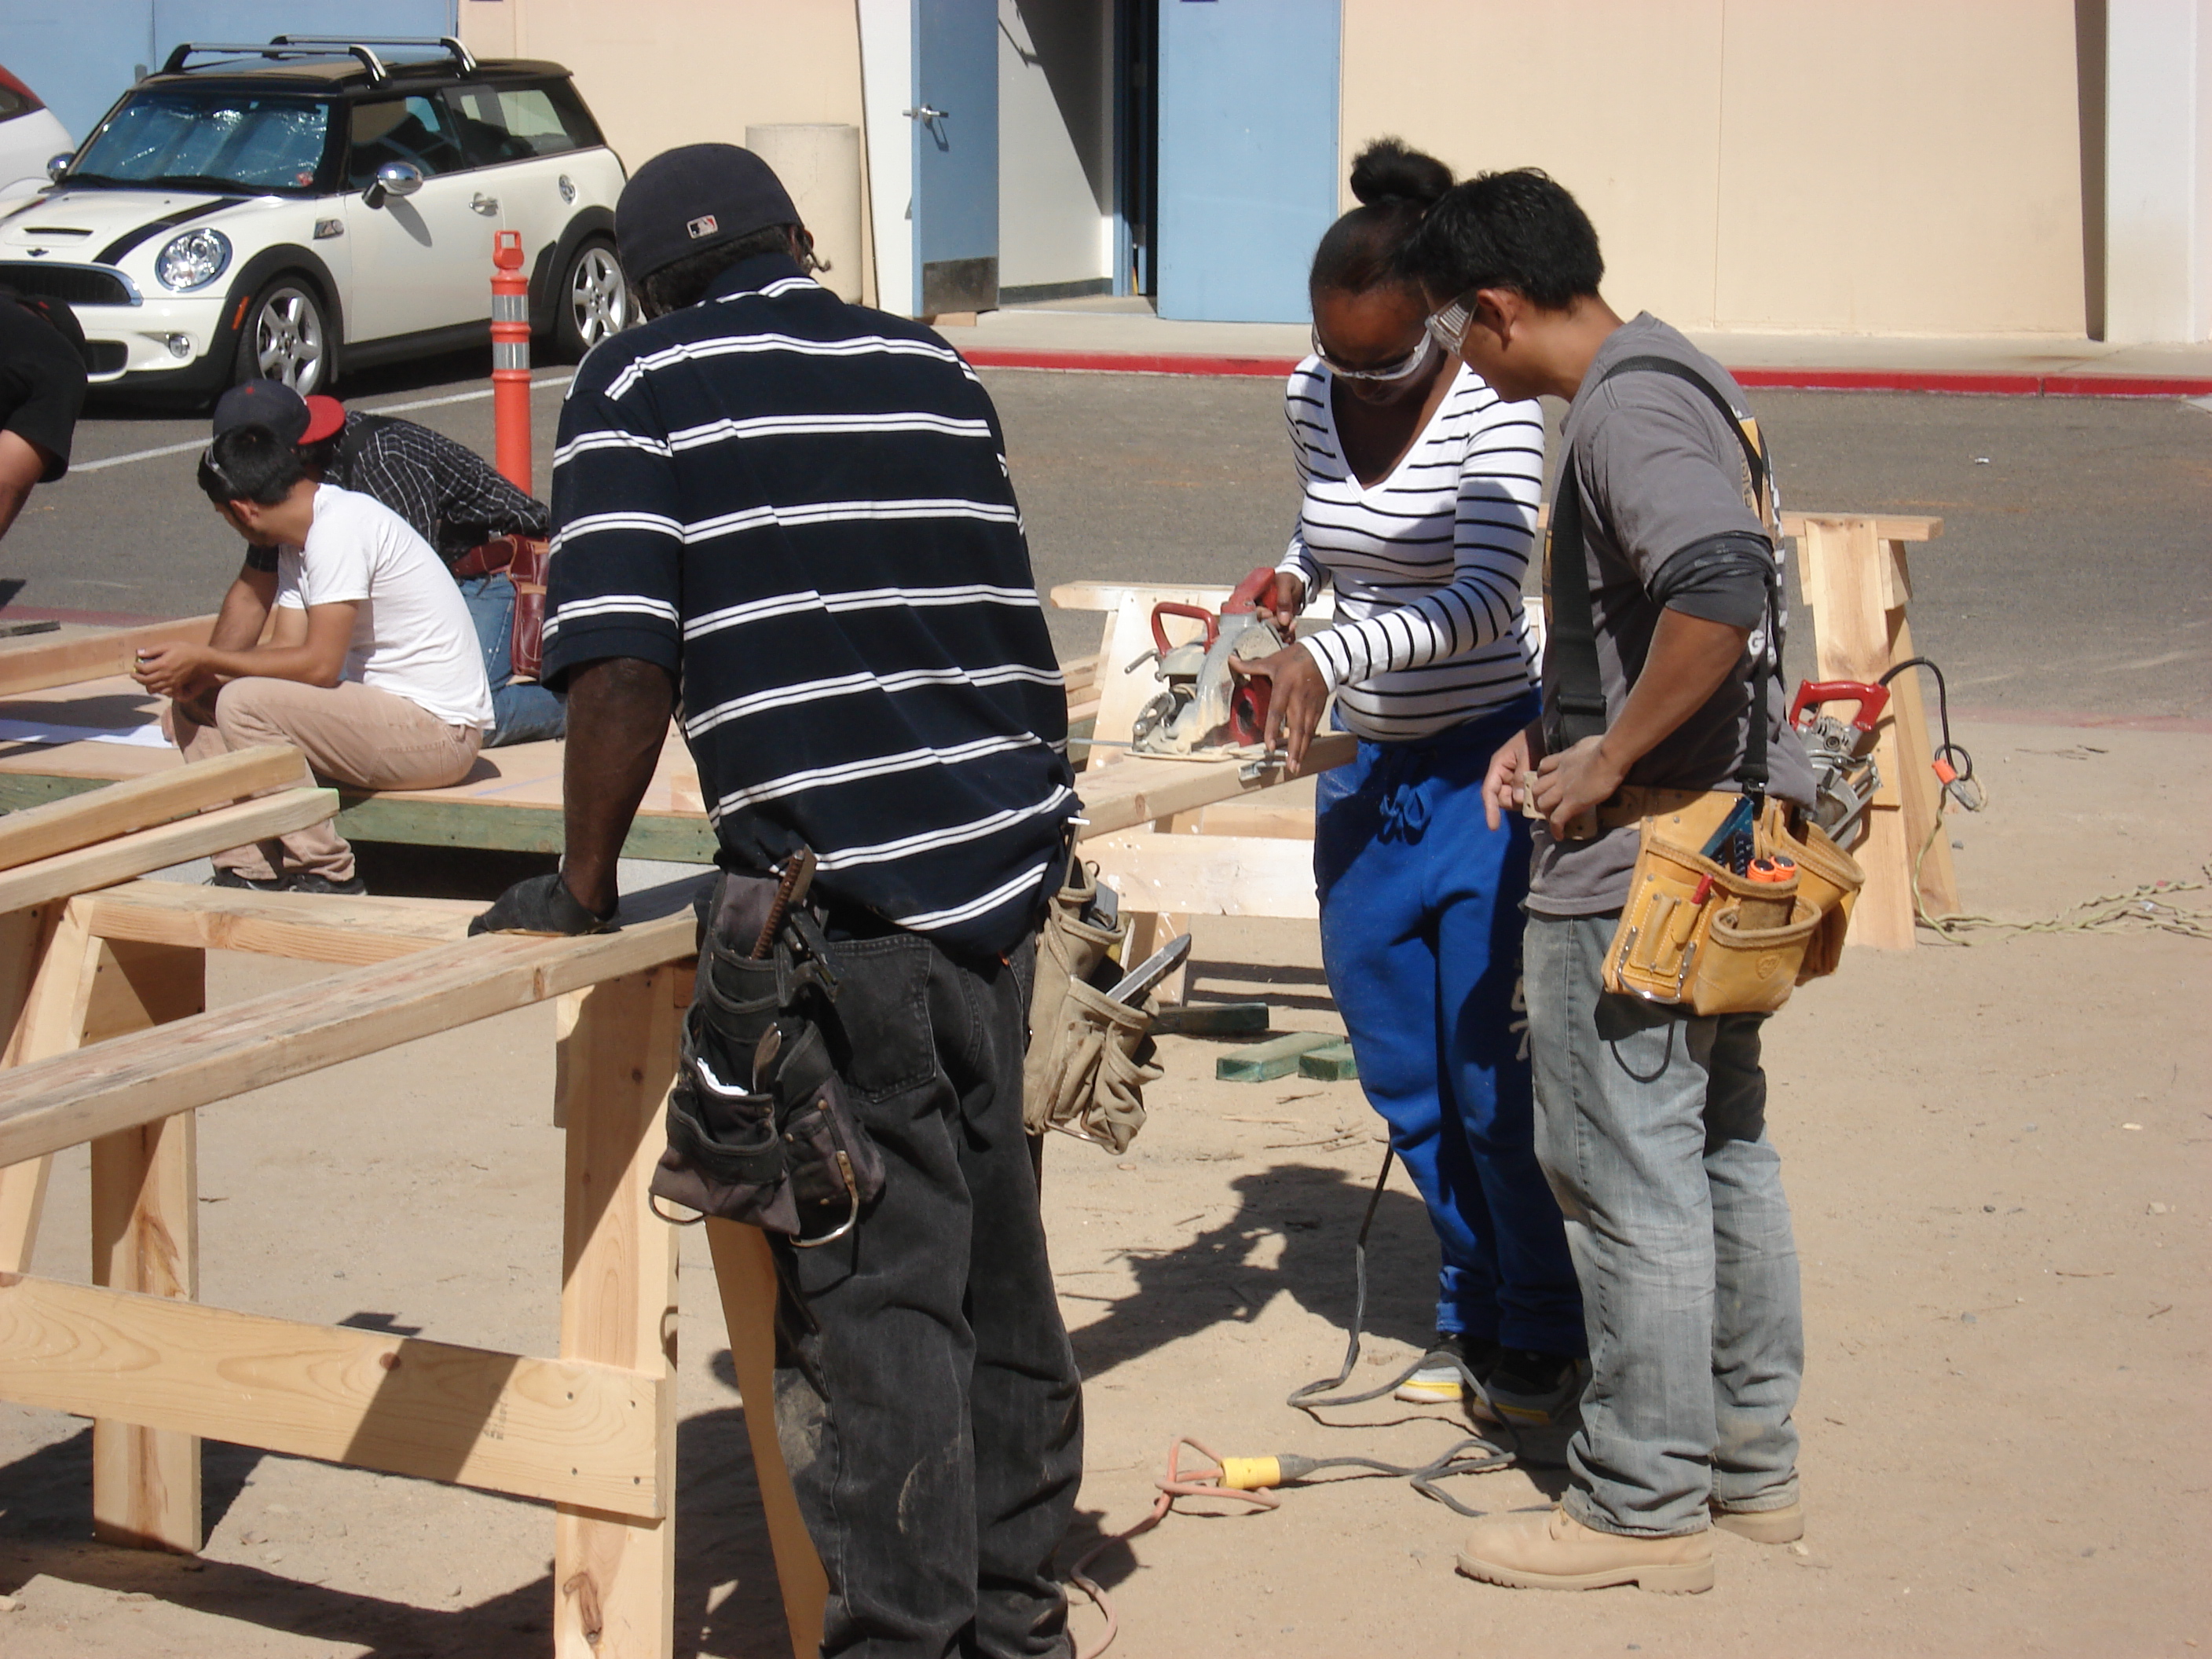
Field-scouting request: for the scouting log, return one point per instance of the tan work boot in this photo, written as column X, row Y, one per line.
column 1783, row 1526
column 1556, row 1552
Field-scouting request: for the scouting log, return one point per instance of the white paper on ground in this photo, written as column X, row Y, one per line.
column 138, row 737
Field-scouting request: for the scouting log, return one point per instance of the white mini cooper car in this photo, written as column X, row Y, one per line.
column 304, row 207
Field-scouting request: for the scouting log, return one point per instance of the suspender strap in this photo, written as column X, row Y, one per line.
column 1576, row 707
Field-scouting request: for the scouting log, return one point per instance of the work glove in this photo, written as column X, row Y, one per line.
column 541, row 904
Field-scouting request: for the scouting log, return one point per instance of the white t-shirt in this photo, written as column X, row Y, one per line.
column 412, row 635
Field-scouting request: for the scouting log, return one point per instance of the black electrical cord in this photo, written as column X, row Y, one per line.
column 1475, row 1455
column 1950, row 754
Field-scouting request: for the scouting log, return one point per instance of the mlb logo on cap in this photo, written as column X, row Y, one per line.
column 702, row 226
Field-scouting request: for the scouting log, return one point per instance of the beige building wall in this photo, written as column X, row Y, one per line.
column 1880, row 166
column 660, row 73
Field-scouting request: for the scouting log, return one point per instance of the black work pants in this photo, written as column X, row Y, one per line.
column 927, row 1402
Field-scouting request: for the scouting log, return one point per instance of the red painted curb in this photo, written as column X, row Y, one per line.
column 1983, row 382
column 1134, row 363
column 1891, row 380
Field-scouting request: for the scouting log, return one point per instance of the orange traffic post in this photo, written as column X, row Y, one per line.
column 510, row 360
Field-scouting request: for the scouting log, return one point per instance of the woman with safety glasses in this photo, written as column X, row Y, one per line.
column 1421, row 487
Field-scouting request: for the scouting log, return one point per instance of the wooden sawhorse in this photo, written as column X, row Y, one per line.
column 112, row 1045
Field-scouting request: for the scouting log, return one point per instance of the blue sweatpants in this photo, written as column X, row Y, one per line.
column 1421, row 931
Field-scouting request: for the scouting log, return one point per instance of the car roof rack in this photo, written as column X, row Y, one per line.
column 462, row 59
column 322, row 45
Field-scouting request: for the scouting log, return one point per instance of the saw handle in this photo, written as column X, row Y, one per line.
column 1871, row 700
column 1257, row 589
column 1195, row 612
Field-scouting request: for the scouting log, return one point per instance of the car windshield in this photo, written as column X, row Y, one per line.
column 214, row 140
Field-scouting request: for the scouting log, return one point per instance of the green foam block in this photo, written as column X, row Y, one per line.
column 1334, row 1064
column 1277, row 1057
column 1212, row 1019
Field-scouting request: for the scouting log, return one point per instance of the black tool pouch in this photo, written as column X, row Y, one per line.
column 759, row 1127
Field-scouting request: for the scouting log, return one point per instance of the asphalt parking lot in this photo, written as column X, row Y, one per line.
column 2071, row 575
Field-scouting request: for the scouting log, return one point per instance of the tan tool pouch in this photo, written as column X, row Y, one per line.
column 1084, row 1071
column 1671, row 948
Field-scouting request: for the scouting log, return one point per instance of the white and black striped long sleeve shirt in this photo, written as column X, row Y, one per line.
column 802, row 507
column 1427, row 563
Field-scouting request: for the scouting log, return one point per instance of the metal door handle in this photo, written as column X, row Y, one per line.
column 923, row 112
column 484, row 204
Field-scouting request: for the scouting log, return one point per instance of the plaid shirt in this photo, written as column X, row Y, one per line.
column 448, row 492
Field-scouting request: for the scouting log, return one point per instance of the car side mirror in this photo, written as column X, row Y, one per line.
column 57, row 166
column 393, row 178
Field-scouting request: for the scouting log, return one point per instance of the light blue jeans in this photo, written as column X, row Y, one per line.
column 1651, row 1126
column 523, row 711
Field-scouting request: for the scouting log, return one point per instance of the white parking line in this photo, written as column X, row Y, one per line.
column 379, row 408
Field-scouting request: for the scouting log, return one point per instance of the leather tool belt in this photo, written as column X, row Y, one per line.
column 759, row 1126
column 1681, row 938
column 1086, row 1071
column 526, row 561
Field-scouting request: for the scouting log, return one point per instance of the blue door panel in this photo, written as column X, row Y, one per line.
column 956, row 155
column 1248, row 154
column 80, row 55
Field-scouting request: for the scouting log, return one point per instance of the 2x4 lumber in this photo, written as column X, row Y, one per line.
column 134, row 854
column 64, row 826
column 549, row 1429
column 1262, row 1062
column 308, row 927
column 614, row 1574
column 63, row 955
column 744, row 1272
column 1208, row 875
column 92, row 656
column 133, row 1079
column 1140, row 790
column 145, row 1238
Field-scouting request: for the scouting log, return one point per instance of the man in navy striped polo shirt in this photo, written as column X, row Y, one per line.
column 793, row 515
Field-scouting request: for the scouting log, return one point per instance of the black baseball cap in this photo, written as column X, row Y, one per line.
column 687, row 200
column 294, row 420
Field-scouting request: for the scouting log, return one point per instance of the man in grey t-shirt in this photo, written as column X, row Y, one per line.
column 1651, row 1121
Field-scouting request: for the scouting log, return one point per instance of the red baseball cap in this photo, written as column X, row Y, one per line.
column 294, row 419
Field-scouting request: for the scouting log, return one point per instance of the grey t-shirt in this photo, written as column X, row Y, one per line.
column 1659, row 471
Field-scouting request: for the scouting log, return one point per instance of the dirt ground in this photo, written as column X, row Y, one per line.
column 1995, row 1154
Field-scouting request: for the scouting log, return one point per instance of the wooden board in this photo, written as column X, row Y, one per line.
column 745, row 1271
column 134, row 854
column 613, row 1575
column 51, row 1022
column 145, row 1238
column 57, row 1102
column 1141, row 791
column 1262, row 1062
column 553, row 1429
column 1207, row 875
column 310, row 928
column 64, row 826
column 92, row 656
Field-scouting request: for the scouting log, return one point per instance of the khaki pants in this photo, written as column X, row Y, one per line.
column 350, row 735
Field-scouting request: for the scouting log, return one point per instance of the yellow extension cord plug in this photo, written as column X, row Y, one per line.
column 1257, row 1473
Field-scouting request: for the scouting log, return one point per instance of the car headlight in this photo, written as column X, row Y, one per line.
column 193, row 259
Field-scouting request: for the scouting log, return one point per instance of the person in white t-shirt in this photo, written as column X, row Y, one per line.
column 372, row 668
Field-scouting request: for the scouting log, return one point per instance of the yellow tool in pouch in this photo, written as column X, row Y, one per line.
column 1681, row 939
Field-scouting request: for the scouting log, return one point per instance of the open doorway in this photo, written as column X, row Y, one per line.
column 1057, row 221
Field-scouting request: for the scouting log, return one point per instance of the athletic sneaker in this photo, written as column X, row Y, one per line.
column 1783, row 1526
column 307, row 882
column 1438, row 1382
column 232, row 878
column 1535, row 1389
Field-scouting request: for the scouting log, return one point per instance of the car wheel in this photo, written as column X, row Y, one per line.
column 594, row 300
column 286, row 337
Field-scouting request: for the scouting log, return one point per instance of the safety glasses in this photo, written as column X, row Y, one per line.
column 1447, row 327
column 1402, row 370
